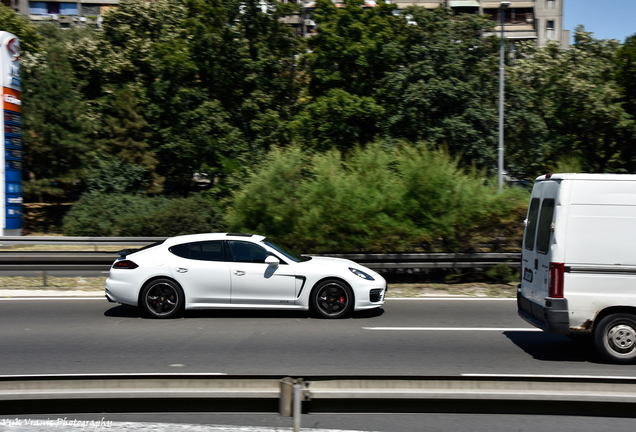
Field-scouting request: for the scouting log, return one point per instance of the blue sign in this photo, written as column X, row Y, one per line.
column 13, row 154
column 14, row 188
column 13, row 176
column 14, row 212
column 13, row 165
column 13, row 223
column 13, row 142
column 14, row 200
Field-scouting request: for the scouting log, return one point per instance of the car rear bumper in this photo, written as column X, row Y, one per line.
column 553, row 317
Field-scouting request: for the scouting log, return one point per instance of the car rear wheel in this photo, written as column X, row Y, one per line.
column 615, row 338
column 332, row 299
column 162, row 298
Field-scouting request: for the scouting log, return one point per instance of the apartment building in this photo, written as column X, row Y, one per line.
column 538, row 20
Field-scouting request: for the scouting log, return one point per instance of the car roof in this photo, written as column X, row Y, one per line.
column 212, row 236
column 576, row 176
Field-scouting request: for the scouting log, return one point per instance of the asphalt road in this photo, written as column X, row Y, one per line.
column 406, row 337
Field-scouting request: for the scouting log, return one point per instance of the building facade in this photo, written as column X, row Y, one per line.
column 539, row 20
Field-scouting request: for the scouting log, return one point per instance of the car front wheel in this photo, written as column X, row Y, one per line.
column 162, row 298
column 332, row 299
column 615, row 338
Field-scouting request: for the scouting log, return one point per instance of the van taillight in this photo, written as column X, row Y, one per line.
column 125, row 264
column 555, row 284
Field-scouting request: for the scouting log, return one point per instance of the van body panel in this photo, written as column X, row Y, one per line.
column 592, row 231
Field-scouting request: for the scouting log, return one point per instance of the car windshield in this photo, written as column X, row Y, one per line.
column 287, row 252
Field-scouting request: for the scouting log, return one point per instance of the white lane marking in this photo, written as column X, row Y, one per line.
column 453, row 298
column 101, row 298
column 491, row 329
column 548, row 376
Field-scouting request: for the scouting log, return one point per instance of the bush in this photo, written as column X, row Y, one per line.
column 374, row 200
column 114, row 215
column 502, row 273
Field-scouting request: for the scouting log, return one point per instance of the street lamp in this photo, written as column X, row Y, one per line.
column 502, row 10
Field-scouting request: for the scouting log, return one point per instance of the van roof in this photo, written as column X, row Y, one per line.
column 599, row 177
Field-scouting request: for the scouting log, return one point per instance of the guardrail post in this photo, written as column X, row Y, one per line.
column 298, row 392
column 44, row 281
column 285, row 401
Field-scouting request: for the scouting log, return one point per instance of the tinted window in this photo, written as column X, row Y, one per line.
column 207, row 251
column 545, row 226
column 182, row 250
column 202, row 251
column 247, row 252
column 531, row 227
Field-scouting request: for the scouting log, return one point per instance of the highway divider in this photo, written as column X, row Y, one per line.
column 569, row 395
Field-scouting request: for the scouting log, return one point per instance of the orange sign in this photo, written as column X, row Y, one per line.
column 11, row 100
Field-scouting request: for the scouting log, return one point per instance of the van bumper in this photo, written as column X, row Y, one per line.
column 553, row 317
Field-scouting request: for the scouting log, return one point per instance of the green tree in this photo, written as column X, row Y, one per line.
column 445, row 93
column 56, row 128
column 626, row 79
column 19, row 25
column 574, row 95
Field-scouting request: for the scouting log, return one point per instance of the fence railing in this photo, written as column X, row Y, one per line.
column 96, row 260
column 216, row 392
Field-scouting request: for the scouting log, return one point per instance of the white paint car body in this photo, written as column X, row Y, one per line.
column 218, row 271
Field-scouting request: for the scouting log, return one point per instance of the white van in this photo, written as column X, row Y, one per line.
column 578, row 266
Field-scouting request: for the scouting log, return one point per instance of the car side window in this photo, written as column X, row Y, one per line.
column 247, row 252
column 207, row 251
column 201, row 251
column 182, row 250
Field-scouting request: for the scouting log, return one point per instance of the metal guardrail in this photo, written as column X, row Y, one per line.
column 52, row 240
column 196, row 392
column 101, row 261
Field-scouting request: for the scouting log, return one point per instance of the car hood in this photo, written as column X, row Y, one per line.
column 319, row 260
column 329, row 261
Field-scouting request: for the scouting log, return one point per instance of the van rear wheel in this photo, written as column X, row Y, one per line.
column 615, row 338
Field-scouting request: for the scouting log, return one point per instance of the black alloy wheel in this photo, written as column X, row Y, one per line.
column 332, row 299
column 162, row 298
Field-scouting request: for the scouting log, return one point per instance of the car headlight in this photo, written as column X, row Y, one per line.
column 361, row 274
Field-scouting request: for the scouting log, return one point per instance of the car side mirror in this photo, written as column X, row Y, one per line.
column 272, row 260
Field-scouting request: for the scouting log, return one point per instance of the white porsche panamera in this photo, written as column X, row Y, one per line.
column 243, row 271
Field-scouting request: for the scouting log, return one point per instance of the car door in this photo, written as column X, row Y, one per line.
column 202, row 270
column 254, row 281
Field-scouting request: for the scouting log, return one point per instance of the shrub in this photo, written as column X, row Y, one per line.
column 502, row 273
column 113, row 215
column 374, row 200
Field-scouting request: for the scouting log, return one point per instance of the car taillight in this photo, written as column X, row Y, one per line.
column 555, row 284
column 125, row 264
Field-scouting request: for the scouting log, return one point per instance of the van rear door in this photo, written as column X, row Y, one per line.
column 537, row 241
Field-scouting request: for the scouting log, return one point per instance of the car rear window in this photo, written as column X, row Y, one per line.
column 545, row 226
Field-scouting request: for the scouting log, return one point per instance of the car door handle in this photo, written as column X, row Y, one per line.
column 239, row 272
column 181, row 270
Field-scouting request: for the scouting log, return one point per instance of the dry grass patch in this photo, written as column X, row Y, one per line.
column 53, row 283
column 451, row 290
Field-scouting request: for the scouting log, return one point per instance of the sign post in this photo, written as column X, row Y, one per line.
column 11, row 139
